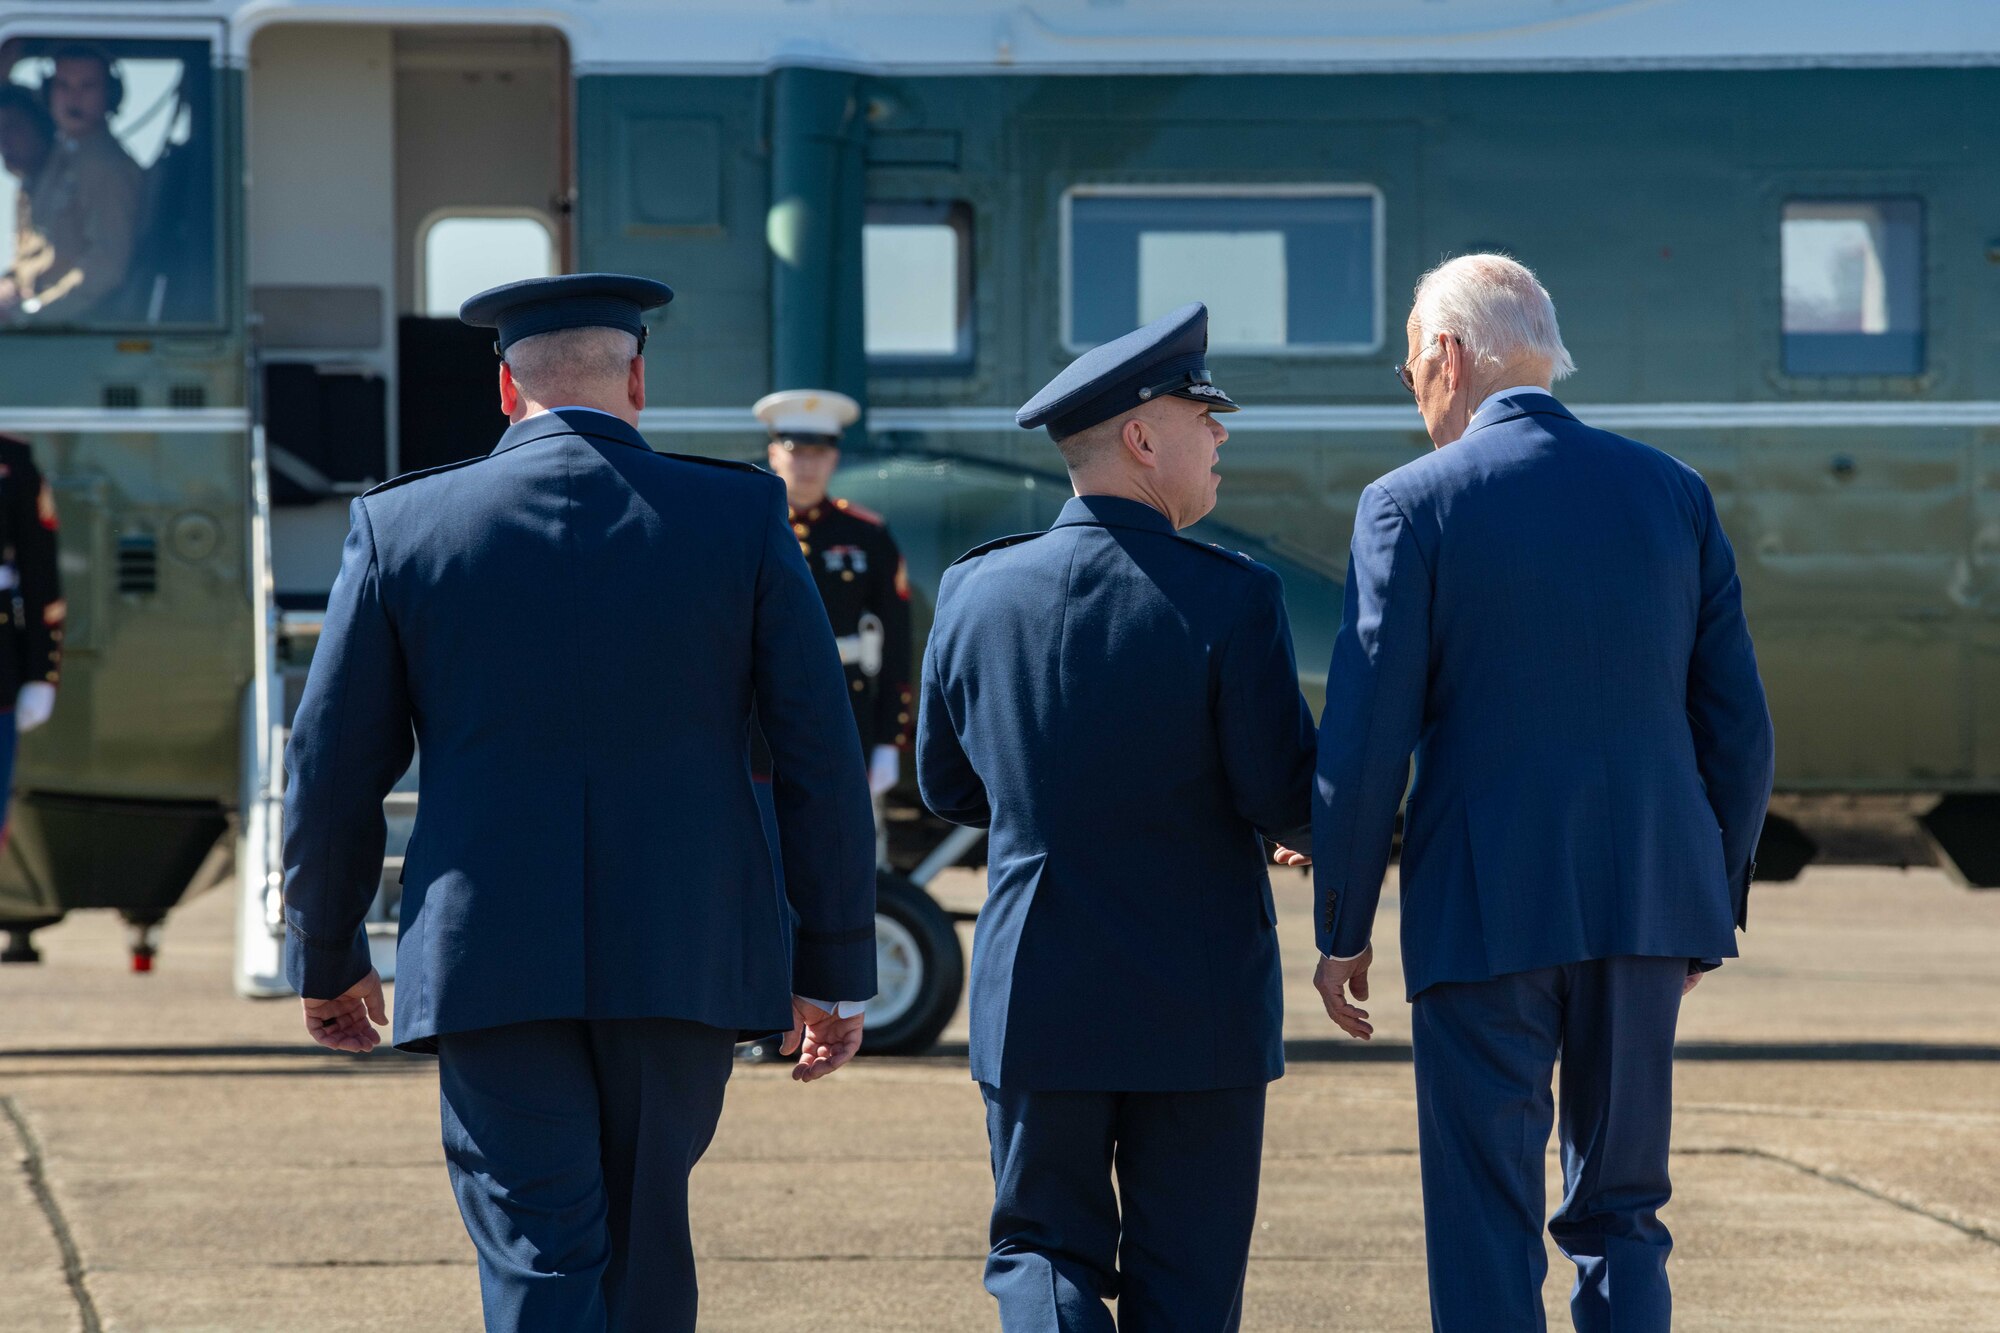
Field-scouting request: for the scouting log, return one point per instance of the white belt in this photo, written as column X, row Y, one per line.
column 864, row 647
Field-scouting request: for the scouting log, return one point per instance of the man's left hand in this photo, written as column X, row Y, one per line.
column 1333, row 979
column 348, row 1021
column 823, row 1043
column 1285, row 856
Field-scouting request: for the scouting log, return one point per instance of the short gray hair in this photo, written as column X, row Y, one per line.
column 1092, row 443
column 551, row 366
column 1494, row 306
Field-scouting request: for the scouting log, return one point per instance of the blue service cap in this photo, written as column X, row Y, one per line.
column 1168, row 356
column 573, row 301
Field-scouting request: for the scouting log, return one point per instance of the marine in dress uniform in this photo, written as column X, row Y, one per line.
column 574, row 630
column 31, row 601
column 859, row 571
column 1549, row 617
column 1119, row 705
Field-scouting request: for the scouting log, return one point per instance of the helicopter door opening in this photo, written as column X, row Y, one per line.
column 392, row 172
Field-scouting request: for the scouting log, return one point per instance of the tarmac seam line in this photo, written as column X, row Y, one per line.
column 1972, row 1229
column 38, row 1185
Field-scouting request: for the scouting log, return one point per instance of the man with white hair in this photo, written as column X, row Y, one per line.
column 1549, row 617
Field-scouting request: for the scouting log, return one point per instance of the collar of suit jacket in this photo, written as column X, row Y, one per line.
column 1113, row 511
column 1511, row 403
column 570, row 421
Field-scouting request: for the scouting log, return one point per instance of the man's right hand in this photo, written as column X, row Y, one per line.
column 347, row 1021
column 823, row 1043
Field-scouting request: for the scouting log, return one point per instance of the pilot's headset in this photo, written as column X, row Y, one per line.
column 114, row 73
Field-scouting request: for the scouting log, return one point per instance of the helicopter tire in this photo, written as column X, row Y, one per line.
column 921, row 968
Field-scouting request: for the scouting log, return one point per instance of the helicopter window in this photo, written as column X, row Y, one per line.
column 109, row 181
column 916, row 265
column 465, row 253
column 1282, row 269
column 1853, row 284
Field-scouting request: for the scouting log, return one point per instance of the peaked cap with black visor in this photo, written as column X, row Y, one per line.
column 518, row 310
column 1168, row 357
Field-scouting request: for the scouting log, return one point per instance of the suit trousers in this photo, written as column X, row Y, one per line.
column 1171, row 1244
column 569, row 1143
column 1485, row 1053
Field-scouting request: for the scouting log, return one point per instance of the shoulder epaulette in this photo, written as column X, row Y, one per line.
column 862, row 512
column 998, row 543
column 718, row 462
column 408, row 477
column 1237, row 558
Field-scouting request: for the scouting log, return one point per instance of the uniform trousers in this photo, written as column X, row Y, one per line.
column 1171, row 1245
column 569, row 1144
column 1485, row 1052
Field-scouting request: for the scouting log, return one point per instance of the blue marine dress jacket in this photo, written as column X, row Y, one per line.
column 1549, row 617
column 1120, row 706
column 573, row 631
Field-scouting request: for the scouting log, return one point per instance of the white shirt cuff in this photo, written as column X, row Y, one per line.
column 838, row 1008
column 1336, row 958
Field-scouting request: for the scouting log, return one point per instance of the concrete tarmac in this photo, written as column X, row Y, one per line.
column 179, row 1159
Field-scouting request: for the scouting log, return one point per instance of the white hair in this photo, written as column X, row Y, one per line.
column 1495, row 307
column 550, row 367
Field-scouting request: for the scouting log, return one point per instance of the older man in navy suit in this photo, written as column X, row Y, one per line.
column 574, row 629
column 1120, row 706
column 1549, row 616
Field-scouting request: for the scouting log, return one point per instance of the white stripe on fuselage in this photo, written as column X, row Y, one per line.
column 1308, row 417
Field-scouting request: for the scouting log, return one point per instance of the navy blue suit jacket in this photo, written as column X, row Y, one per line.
column 1120, row 706
column 573, row 630
column 1549, row 616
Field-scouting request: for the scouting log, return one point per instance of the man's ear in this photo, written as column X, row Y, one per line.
column 635, row 383
column 510, row 394
column 1138, row 442
column 1454, row 362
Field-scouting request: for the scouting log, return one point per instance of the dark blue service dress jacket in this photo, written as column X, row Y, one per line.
column 1120, row 706
column 573, row 630
column 1549, row 616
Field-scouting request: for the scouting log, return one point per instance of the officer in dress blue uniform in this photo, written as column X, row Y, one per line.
column 1120, row 706
column 1549, row 617
column 574, row 630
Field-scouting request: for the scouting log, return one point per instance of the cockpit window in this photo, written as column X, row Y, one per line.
column 108, row 150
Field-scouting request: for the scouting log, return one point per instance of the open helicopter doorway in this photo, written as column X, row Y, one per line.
column 392, row 172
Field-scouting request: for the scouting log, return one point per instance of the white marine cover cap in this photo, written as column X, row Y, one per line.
column 807, row 412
